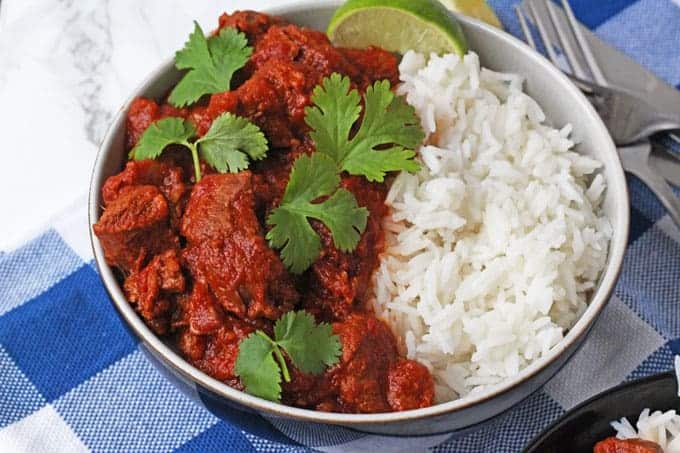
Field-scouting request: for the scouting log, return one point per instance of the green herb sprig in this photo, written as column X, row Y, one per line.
column 310, row 347
column 228, row 146
column 313, row 177
column 211, row 63
column 386, row 139
column 384, row 142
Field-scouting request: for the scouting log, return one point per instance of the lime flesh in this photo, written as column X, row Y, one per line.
column 398, row 26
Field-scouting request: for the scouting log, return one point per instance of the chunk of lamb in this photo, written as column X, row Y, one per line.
column 312, row 53
column 152, row 289
column 614, row 445
column 227, row 252
column 370, row 376
column 208, row 336
column 142, row 113
column 221, row 350
column 253, row 24
column 135, row 227
column 261, row 101
column 409, row 386
column 339, row 282
column 216, row 354
column 168, row 174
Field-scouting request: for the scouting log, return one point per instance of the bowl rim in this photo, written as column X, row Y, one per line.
column 169, row 357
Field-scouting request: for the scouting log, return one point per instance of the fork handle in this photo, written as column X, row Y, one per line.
column 637, row 163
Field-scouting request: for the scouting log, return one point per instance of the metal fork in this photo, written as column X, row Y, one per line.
column 629, row 118
column 635, row 160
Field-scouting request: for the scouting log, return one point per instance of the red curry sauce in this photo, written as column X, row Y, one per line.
column 614, row 445
column 193, row 258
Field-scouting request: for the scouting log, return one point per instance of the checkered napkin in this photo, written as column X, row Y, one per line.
column 73, row 379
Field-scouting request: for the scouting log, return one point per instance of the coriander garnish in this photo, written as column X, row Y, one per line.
column 311, row 348
column 227, row 146
column 313, row 177
column 384, row 142
column 211, row 63
column 388, row 123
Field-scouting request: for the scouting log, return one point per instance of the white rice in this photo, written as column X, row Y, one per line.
column 494, row 247
column 660, row 427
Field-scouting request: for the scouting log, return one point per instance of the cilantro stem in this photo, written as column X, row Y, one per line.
column 282, row 362
column 194, row 156
column 277, row 354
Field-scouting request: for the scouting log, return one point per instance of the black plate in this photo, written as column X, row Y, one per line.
column 588, row 423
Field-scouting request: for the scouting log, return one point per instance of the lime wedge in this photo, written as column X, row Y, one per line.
column 398, row 26
column 478, row 9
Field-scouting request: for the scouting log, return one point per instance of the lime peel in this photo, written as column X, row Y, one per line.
column 397, row 26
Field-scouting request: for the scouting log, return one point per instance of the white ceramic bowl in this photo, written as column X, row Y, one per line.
column 562, row 103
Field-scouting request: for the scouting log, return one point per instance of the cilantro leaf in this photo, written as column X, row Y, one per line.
column 336, row 110
column 386, row 138
column 195, row 52
column 255, row 365
column 299, row 243
column 161, row 134
column 211, row 63
column 313, row 177
column 227, row 145
column 230, row 141
column 311, row 347
column 346, row 220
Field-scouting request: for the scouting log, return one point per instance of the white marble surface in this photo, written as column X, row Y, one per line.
column 65, row 67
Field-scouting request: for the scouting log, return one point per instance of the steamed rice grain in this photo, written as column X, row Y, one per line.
column 494, row 246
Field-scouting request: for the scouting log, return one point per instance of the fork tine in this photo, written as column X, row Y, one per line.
column 585, row 47
column 564, row 35
column 528, row 36
column 543, row 32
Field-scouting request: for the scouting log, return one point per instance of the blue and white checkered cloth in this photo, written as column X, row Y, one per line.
column 72, row 379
